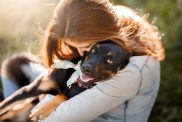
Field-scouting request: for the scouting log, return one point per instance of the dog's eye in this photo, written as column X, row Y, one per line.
column 110, row 61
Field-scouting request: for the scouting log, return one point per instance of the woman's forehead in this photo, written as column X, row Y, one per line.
column 78, row 44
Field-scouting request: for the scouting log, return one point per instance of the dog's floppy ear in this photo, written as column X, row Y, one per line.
column 85, row 53
column 128, row 56
column 125, row 60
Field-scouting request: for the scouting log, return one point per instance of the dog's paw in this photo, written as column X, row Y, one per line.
column 46, row 109
column 42, row 112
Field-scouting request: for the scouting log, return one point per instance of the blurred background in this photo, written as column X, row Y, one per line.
column 22, row 23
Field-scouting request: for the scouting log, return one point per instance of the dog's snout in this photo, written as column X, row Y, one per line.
column 87, row 68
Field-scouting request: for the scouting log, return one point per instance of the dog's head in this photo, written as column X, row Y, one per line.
column 102, row 62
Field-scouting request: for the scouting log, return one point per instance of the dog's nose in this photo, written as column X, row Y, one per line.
column 87, row 68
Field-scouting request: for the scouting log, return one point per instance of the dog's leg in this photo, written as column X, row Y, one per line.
column 49, row 107
column 20, row 115
column 22, row 93
column 26, row 94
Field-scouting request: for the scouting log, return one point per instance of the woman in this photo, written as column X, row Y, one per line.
column 129, row 96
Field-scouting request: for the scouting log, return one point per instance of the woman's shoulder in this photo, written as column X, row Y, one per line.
column 141, row 62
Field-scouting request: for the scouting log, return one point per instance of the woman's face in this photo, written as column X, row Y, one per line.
column 81, row 47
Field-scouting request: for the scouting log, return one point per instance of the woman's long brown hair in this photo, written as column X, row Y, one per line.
column 98, row 20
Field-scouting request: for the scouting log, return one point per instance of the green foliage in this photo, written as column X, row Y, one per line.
column 168, row 107
column 168, row 20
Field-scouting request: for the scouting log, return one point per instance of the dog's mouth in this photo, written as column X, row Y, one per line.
column 85, row 78
column 86, row 81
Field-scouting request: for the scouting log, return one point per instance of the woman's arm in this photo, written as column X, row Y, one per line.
column 98, row 100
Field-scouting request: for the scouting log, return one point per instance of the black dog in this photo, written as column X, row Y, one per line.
column 102, row 62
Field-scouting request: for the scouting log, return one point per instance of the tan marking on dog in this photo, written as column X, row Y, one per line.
column 98, row 46
column 48, row 108
column 47, row 84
